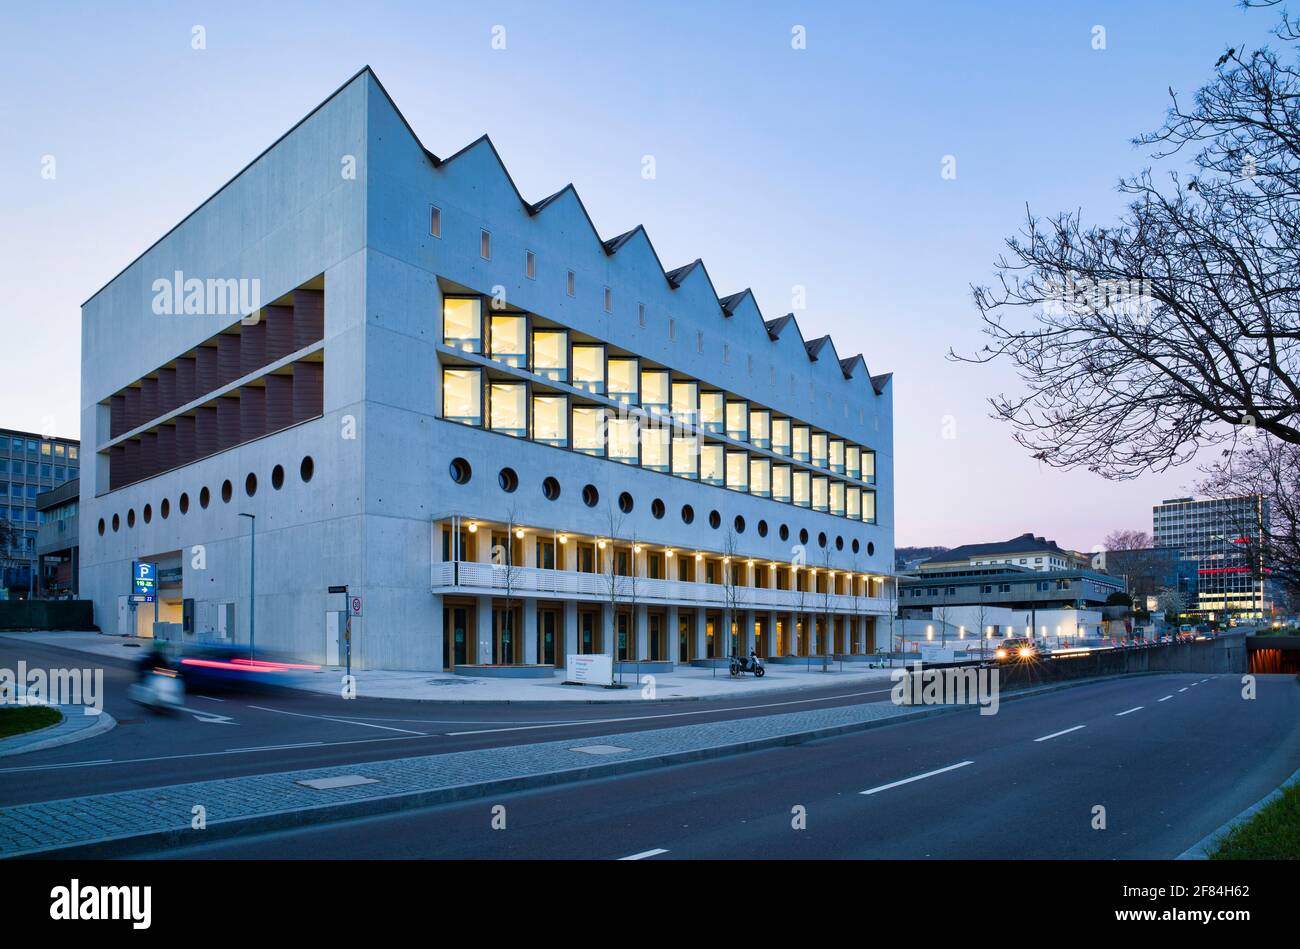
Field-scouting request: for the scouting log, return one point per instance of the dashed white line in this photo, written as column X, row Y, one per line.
column 345, row 721
column 301, row 744
column 645, row 853
column 918, row 777
column 1136, row 708
column 1060, row 733
column 1166, row 698
column 1183, row 689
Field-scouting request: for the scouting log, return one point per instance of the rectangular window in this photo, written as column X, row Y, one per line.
column 640, row 313
column 853, row 461
column 672, row 329
column 655, row 447
column 72, row 452
column 462, row 395
column 530, row 265
column 569, row 283
column 760, row 477
column 713, row 412
column 868, row 466
column 853, row 503
column 623, row 373
column 609, row 300
column 624, row 440
column 738, row 471
column 551, row 420
column 712, row 464
column 869, row 507
column 435, row 221
column 462, row 323
column 58, row 450
column 699, row 341
column 800, row 439
column 837, row 498
column 802, row 488
column 509, row 339
column 551, row 354
column 819, row 449
column 760, row 428
column 508, row 408
column 589, row 367
column 781, row 436
column 589, row 429
column 820, row 494
column 655, row 389
column 485, row 245
column 686, row 401
column 837, row 455
column 738, row 420
column 781, row 483
column 686, row 456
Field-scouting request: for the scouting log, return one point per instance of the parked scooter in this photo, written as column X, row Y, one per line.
column 751, row 663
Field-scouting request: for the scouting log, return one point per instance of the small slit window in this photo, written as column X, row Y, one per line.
column 435, row 222
column 530, row 265
column 485, row 245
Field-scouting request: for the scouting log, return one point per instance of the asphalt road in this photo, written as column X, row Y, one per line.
column 230, row 734
column 1170, row 758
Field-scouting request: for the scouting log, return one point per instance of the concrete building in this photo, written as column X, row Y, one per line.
column 510, row 438
column 29, row 465
column 58, row 541
column 1026, row 551
column 1224, row 536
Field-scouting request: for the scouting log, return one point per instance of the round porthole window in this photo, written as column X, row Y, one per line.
column 590, row 496
column 277, row 477
column 460, row 471
column 550, row 489
column 625, row 503
column 715, row 520
column 508, row 479
column 657, row 508
column 739, row 524
column 306, row 469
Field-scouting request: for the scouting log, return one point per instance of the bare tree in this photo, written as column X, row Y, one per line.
column 1127, row 540
column 614, row 583
column 730, row 593
column 1159, row 334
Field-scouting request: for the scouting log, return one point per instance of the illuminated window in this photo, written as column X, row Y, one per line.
column 624, row 440
column 760, row 428
column 551, row 420
column 462, row 323
column 686, row 456
column 589, row 429
column 837, row 455
column 623, row 379
column 462, row 395
column 508, row 408
column 509, row 339
column 802, row 488
column 738, row 471
column 712, row 464
column 800, row 437
column 820, row 492
column 819, row 449
column 837, row 498
column 655, row 447
column 853, row 461
column 781, row 436
column 738, row 420
column 869, row 507
column 781, row 483
column 712, row 412
column 655, row 390
column 760, row 477
column 589, row 367
column 686, row 401
column 551, row 354
column 853, row 503
column 869, row 468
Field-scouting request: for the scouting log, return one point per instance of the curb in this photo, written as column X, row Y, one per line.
column 1202, row 849
column 152, row 841
column 103, row 722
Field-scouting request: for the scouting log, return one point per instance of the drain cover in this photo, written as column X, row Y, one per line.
column 342, row 781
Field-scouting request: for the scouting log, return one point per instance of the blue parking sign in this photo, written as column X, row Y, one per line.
column 144, row 579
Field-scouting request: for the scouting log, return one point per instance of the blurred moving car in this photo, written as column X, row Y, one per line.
column 216, row 666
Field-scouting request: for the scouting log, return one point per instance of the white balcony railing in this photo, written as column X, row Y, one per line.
column 484, row 578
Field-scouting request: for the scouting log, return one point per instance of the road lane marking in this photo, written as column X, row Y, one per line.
column 639, row 718
column 1136, row 708
column 1196, row 683
column 210, row 698
column 645, row 853
column 1060, row 733
column 1184, row 689
column 918, row 777
column 301, row 744
column 1166, row 698
column 327, row 718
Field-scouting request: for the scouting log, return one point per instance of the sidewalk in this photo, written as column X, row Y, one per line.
column 75, row 725
column 684, row 683
column 151, row 818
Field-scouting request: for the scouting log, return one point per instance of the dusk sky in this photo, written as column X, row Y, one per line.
column 780, row 167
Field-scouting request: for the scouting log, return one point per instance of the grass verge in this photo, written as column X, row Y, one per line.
column 16, row 720
column 1272, row 834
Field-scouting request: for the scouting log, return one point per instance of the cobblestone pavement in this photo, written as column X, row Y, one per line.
column 166, row 814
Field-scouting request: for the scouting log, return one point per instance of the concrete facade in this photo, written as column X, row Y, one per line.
column 344, row 202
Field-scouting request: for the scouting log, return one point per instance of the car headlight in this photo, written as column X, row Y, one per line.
column 1001, row 654
column 1025, row 652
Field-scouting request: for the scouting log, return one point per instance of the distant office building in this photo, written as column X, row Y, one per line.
column 1018, row 588
column 57, row 545
column 1026, row 551
column 1224, row 537
column 1148, row 571
column 29, row 464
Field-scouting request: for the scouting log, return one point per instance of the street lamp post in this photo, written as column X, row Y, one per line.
column 252, row 580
